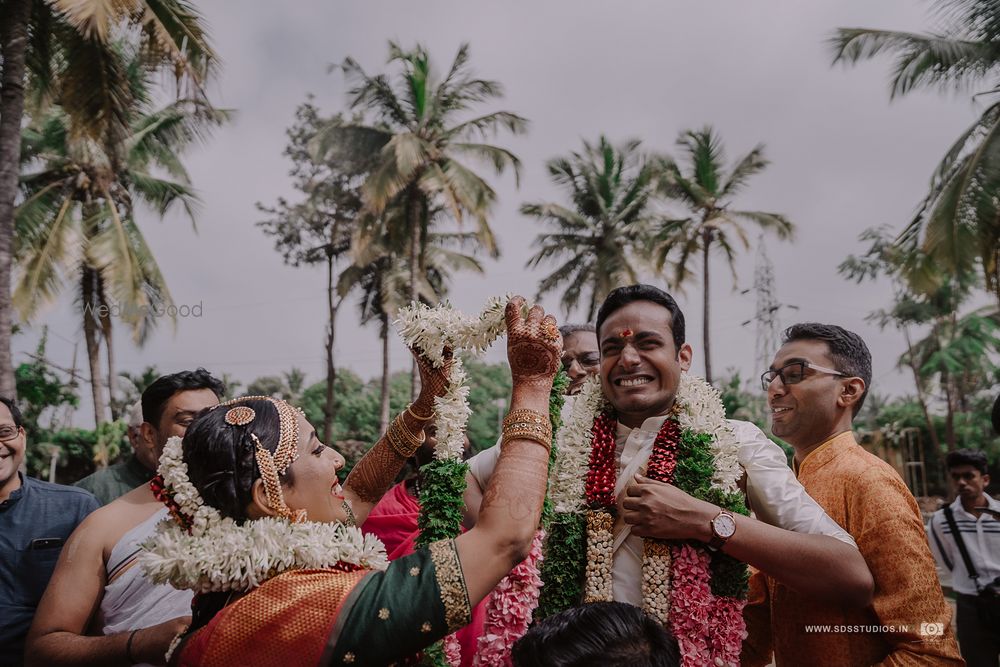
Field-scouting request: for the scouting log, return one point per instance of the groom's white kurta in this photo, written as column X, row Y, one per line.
column 773, row 493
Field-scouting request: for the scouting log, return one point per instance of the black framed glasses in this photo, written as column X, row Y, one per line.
column 9, row 432
column 794, row 373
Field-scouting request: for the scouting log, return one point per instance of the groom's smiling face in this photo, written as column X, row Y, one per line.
column 640, row 365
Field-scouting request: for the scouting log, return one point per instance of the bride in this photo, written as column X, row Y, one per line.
column 267, row 537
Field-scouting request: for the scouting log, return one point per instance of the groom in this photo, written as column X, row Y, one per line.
column 640, row 329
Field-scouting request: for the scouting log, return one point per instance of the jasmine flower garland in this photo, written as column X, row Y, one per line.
column 429, row 330
column 685, row 586
column 204, row 552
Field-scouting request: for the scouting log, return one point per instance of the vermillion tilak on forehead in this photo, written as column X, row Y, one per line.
column 643, row 353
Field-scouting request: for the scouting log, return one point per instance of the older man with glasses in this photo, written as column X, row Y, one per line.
column 36, row 518
column 815, row 387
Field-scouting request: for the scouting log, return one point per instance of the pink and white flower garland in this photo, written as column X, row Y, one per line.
column 509, row 613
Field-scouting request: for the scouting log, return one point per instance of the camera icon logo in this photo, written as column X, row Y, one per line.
column 932, row 629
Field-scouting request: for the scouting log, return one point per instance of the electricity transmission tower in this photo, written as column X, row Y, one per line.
column 766, row 315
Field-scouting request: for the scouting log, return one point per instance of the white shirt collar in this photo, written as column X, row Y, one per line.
column 991, row 502
column 650, row 425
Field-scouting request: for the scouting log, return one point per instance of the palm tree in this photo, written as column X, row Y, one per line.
column 77, row 218
column 958, row 223
column 707, row 190
column 64, row 46
column 417, row 147
column 384, row 283
column 319, row 228
column 609, row 190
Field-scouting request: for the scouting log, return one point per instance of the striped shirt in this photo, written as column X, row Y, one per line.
column 982, row 541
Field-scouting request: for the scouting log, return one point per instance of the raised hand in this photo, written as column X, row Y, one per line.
column 533, row 347
column 433, row 381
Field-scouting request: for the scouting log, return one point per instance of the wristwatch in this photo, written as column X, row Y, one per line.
column 723, row 527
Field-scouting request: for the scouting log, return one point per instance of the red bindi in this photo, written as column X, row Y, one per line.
column 626, row 333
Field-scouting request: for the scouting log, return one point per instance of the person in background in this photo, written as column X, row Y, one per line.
column 965, row 539
column 581, row 355
column 602, row 634
column 815, row 386
column 100, row 608
column 140, row 467
column 36, row 518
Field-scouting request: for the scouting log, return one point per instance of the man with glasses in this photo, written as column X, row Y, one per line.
column 642, row 356
column 36, row 518
column 815, row 386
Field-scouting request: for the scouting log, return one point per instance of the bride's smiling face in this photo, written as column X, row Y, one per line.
column 313, row 484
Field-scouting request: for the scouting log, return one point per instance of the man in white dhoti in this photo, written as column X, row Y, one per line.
column 99, row 608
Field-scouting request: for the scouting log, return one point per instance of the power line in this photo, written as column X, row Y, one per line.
column 766, row 315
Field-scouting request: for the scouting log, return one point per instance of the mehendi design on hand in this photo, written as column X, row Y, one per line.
column 375, row 472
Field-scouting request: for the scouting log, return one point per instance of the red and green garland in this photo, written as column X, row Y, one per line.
column 699, row 594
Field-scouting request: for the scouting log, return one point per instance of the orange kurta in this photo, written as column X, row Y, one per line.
column 908, row 623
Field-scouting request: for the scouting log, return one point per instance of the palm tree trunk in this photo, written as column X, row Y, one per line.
column 14, row 18
column 414, row 257
column 329, row 409
column 706, row 243
column 105, row 319
column 383, row 412
column 921, row 397
column 91, row 336
column 949, row 418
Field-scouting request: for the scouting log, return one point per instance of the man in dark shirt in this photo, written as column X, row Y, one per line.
column 35, row 519
column 117, row 480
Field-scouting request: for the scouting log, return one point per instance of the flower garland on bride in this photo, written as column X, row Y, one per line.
column 698, row 593
column 202, row 551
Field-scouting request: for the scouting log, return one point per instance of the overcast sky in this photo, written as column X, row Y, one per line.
column 843, row 159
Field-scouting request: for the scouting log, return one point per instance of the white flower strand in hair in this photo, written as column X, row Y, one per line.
column 220, row 555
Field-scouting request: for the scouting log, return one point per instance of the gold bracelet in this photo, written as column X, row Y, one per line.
column 527, row 425
column 402, row 441
column 418, row 417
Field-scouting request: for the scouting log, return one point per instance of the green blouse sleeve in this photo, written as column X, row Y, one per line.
column 394, row 614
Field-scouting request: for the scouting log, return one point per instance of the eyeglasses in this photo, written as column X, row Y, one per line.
column 9, row 432
column 794, row 373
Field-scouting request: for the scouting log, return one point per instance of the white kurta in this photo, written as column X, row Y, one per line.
column 773, row 493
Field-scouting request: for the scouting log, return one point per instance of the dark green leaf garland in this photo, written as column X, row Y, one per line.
column 441, row 498
column 557, row 399
column 442, row 486
column 566, row 541
column 693, row 475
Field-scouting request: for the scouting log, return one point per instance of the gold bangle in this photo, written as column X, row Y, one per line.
column 527, row 425
column 418, row 417
column 402, row 441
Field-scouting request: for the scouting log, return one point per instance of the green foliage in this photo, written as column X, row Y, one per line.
column 75, row 450
column 957, row 226
column 109, row 439
column 707, row 188
column 563, row 568
column 442, row 484
column 39, row 390
column 488, row 384
column 746, row 404
column 557, row 398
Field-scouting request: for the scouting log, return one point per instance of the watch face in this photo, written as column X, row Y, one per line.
column 724, row 526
